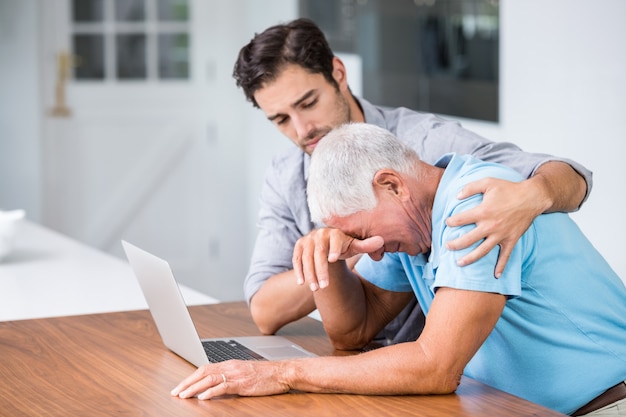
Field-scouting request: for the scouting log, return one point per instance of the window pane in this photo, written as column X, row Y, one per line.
column 87, row 10
column 173, row 10
column 438, row 56
column 174, row 55
column 131, row 56
column 90, row 50
column 130, row 10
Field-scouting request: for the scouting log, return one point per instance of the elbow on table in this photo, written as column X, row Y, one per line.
column 436, row 385
column 433, row 374
column 265, row 325
column 447, row 385
column 267, row 330
column 348, row 341
column 445, row 381
column 346, row 346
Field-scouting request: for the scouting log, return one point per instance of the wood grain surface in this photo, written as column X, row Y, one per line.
column 115, row 364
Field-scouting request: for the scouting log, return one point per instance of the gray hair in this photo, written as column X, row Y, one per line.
column 343, row 166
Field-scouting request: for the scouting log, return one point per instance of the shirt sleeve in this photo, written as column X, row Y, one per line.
column 388, row 273
column 441, row 136
column 278, row 232
column 479, row 275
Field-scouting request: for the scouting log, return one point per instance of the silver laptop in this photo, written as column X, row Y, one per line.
column 176, row 327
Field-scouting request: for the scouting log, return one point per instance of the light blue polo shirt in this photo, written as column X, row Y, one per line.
column 561, row 339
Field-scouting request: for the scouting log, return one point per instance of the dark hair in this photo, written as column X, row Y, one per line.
column 299, row 42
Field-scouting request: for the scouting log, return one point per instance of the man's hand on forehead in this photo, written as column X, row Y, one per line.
column 315, row 252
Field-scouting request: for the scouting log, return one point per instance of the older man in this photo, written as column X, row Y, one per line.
column 551, row 329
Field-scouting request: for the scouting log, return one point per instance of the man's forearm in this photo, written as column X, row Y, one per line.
column 385, row 371
column 280, row 301
column 561, row 187
column 342, row 307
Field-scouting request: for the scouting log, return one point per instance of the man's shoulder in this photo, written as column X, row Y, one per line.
column 287, row 170
column 405, row 123
column 284, row 189
column 467, row 166
column 288, row 159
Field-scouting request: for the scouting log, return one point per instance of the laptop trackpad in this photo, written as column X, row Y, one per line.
column 282, row 352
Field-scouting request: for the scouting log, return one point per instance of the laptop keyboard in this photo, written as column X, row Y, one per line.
column 222, row 350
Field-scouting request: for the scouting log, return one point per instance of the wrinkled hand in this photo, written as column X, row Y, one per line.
column 245, row 378
column 507, row 210
column 314, row 252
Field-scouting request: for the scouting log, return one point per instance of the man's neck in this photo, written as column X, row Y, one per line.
column 356, row 112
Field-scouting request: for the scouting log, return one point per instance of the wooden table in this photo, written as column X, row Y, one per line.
column 115, row 364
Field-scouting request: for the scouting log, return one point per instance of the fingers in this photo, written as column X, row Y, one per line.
column 310, row 262
column 503, row 258
column 245, row 378
column 370, row 245
column 481, row 250
column 336, row 245
column 318, row 272
column 214, row 391
column 297, row 263
column 476, row 187
column 314, row 252
column 465, row 217
column 506, row 248
column 203, row 383
column 502, row 217
column 466, row 240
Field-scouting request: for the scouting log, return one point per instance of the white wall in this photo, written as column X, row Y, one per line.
column 19, row 107
column 563, row 91
column 573, row 104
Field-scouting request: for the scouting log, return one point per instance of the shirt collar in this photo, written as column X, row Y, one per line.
column 371, row 113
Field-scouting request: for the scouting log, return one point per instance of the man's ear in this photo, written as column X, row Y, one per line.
column 389, row 181
column 340, row 73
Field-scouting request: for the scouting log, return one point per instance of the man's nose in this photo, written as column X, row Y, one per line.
column 303, row 127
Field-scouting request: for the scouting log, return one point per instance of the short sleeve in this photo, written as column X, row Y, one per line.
column 388, row 273
column 479, row 275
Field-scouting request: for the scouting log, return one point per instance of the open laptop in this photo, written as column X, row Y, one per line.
column 176, row 327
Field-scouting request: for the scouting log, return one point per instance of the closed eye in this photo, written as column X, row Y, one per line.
column 281, row 120
column 309, row 104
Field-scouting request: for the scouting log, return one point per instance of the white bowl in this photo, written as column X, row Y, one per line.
column 9, row 225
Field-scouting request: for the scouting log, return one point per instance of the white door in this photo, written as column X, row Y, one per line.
column 128, row 143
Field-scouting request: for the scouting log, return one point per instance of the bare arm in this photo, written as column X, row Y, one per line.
column 564, row 188
column 279, row 302
column 344, row 300
column 353, row 310
column 458, row 323
column 509, row 208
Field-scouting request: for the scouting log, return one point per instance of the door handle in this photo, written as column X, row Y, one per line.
column 64, row 62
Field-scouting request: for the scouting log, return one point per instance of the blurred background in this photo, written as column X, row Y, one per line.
column 120, row 118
